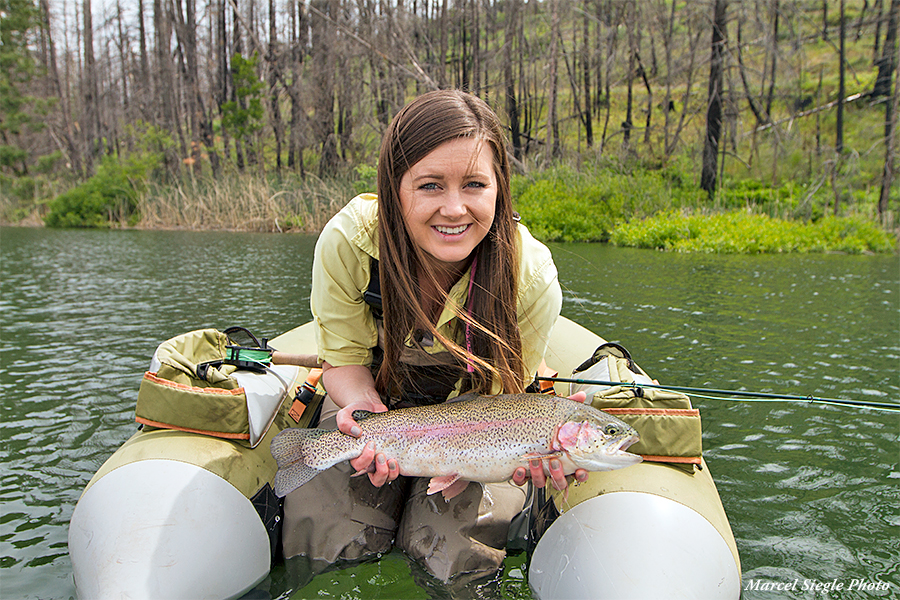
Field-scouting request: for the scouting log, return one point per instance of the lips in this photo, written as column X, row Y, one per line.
column 451, row 230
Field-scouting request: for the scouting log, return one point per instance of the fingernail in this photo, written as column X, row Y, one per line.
column 355, row 431
column 555, row 464
column 535, row 463
column 381, row 459
column 392, row 465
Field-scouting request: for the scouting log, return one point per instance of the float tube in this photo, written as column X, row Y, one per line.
column 184, row 514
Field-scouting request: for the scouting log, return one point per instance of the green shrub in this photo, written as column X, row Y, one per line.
column 109, row 197
column 564, row 204
column 742, row 232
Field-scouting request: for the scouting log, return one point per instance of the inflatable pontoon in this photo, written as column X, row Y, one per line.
column 185, row 507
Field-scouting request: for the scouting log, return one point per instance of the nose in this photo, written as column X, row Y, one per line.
column 453, row 206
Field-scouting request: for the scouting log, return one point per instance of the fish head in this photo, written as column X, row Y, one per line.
column 598, row 442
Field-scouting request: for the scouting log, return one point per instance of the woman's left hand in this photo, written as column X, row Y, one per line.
column 535, row 470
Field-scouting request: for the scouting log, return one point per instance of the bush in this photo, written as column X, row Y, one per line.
column 562, row 204
column 741, row 232
column 109, row 197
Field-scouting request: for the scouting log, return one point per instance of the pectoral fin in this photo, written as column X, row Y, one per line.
column 536, row 456
column 448, row 485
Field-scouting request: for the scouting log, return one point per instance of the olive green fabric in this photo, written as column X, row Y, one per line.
column 669, row 427
column 177, row 397
column 667, row 434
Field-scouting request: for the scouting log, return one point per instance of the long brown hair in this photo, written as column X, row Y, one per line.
column 496, row 345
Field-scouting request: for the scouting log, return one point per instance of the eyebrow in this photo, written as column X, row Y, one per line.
column 440, row 177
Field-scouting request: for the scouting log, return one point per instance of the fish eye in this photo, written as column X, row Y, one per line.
column 611, row 429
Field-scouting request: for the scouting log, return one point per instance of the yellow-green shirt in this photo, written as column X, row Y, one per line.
column 345, row 327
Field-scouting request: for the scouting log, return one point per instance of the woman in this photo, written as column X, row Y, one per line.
column 467, row 302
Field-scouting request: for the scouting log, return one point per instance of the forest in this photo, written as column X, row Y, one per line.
column 240, row 114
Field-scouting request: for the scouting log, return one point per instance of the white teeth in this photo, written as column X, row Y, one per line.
column 451, row 230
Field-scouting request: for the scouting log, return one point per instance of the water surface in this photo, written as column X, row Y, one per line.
column 811, row 491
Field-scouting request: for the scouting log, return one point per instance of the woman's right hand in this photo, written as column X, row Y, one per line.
column 377, row 465
column 353, row 388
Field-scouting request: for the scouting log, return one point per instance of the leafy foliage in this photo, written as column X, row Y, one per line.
column 566, row 205
column 110, row 196
column 742, row 232
column 244, row 116
column 19, row 111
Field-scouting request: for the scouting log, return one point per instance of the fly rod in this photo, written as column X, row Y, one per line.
column 761, row 396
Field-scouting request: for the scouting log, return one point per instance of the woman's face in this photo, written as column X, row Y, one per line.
column 449, row 198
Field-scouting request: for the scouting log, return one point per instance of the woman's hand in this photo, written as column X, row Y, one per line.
column 535, row 469
column 353, row 388
column 378, row 466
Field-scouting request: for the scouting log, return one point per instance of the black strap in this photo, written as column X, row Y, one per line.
column 372, row 295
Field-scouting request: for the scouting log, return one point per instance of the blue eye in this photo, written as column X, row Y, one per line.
column 476, row 184
column 428, row 186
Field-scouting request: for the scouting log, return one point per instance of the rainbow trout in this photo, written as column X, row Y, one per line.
column 474, row 438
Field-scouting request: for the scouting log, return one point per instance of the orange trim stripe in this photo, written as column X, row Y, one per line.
column 190, row 388
column 218, row 434
column 672, row 412
column 691, row 460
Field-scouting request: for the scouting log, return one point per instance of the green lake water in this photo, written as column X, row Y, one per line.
column 812, row 492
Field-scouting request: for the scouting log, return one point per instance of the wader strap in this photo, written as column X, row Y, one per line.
column 372, row 295
column 425, row 384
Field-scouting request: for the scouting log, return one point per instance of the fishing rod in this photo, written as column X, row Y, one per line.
column 758, row 396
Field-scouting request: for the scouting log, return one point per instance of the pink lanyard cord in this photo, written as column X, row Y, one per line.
column 470, row 367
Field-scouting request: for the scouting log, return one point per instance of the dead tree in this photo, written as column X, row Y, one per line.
column 714, row 101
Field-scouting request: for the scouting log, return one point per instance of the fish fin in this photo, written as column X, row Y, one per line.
column 359, row 415
column 290, row 478
column 536, row 455
column 439, row 484
column 463, row 398
column 288, row 450
column 454, row 489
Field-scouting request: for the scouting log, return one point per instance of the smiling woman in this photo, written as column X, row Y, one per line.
column 448, row 200
column 427, row 290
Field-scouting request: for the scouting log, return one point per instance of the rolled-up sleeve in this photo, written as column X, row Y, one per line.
column 540, row 299
column 345, row 327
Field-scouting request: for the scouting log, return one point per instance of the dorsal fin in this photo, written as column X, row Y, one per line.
column 359, row 415
column 463, row 398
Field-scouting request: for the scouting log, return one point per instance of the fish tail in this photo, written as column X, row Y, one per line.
column 290, row 449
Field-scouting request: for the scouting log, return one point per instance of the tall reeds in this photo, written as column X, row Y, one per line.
column 245, row 202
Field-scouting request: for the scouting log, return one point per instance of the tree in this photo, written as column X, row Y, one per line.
column 16, row 71
column 243, row 116
column 888, row 59
column 890, row 134
column 714, row 99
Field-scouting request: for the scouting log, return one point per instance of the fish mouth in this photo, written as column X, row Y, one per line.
column 626, row 443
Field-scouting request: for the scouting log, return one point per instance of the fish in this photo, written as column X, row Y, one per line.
column 471, row 438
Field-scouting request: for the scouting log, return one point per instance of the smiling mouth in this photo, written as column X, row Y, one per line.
column 451, row 230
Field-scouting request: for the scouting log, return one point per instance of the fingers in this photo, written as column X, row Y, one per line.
column 520, row 476
column 362, row 462
column 578, row 397
column 536, row 469
column 557, row 477
column 386, row 470
column 344, row 417
column 378, row 466
column 345, row 422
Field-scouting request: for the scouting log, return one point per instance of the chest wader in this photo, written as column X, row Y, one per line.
column 336, row 517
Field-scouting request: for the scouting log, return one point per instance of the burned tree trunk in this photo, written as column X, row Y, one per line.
column 714, row 102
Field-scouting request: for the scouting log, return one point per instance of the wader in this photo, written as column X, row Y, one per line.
column 337, row 517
